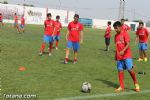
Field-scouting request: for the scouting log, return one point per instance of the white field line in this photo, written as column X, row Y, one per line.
column 103, row 95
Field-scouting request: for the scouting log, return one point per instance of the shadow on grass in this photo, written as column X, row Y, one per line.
column 109, row 83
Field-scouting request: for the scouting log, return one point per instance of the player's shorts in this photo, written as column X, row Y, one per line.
column 48, row 39
column 22, row 26
column 126, row 64
column 57, row 38
column 143, row 46
column 74, row 45
column 107, row 41
column 15, row 24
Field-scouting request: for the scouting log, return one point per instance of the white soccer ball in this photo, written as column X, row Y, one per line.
column 86, row 87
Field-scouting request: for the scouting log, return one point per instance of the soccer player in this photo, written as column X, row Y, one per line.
column 48, row 34
column 58, row 27
column 16, row 22
column 125, row 27
column 1, row 19
column 123, row 57
column 108, row 35
column 22, row 25
column 74, row 36
column 142, row 35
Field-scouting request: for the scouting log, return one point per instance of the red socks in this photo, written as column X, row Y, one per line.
column 121, row 79
column 42, row 47
column 133, row 77
column 57, row 43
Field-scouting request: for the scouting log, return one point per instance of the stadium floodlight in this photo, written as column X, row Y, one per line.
column 121, row 10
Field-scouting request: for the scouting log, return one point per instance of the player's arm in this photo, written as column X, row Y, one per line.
column 127, row 41
column 81, row 41
column 126, row 47
column 67, row 35
column 136, row 39
column 148, row 36
column 54, row 29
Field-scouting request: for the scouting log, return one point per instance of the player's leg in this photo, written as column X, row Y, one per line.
column 51, row 40
column 45, row 40
column 69, row 46
column 57, row 41
column 145, row 47
column 18, row 29
column 76, row 47
column 120, row 67
column 140, row 52
column 129, row 67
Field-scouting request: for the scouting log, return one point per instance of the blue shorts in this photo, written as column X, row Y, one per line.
column 22, row 26
column 143, row 46
column 74, row 45
column 126, row 64
column 57, row 38
column 48, row 39
column 15, row 24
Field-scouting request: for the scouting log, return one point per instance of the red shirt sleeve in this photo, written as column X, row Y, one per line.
column 69, row 26
column 81, row 27
column 147, row 32
column 126, row 37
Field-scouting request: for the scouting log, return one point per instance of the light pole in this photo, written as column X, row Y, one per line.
column 121, row 10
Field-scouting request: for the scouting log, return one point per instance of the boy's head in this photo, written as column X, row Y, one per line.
column 15, row 14
column 117, row 26
column 49, row 16
column 22, row 15
column 109, row 23
column 141, row 24
column 57, row 18
column 76, row 18
column 122, row 21
column 0, row 13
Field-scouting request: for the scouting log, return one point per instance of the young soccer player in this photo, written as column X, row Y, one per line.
column 74, row 36
column 22, row 25
column 142, row 35
column 108, row 35
column 123, row 57
column 16, row 22
column 48, row 34
column 125, row 27
column 1, row 19
column 58, row 27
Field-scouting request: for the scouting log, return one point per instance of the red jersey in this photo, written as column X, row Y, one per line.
column 49, row 27
column 16, row 19
column 121, row 42
column 22, row 21
column 74, row 31
column 143, row 35
column 1, row 17
column 107, row 32
column 58, row 26
column 125, row 28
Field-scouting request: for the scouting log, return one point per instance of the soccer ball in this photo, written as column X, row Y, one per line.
column 86, row 87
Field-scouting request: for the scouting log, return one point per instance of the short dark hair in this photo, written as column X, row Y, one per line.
column 76, row 15
column 57, row 17
column 117, row 24
column 122, row 19
column 109, row 22
column 0, row 13
column 15, row 13
column 141, row 23
column 49, row 14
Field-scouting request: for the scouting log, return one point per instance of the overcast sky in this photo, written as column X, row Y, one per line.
column 102, row 9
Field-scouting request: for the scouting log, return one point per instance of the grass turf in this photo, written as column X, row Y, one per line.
column 49, row 79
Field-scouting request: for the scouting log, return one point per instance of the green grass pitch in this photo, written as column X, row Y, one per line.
column 49, row 78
